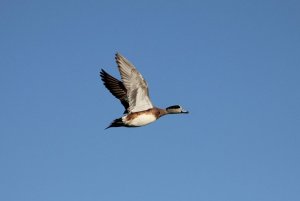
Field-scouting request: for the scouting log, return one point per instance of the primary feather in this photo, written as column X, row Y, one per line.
column 135, row 84
column 115, row 87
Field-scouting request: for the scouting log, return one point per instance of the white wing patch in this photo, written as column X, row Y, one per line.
column 137, row 89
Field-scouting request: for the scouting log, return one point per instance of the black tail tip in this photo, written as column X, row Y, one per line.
column 116, row 123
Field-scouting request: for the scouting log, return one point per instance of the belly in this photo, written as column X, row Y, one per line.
column 142, row 120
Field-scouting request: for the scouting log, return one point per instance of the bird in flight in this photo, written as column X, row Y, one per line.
column 133, row 94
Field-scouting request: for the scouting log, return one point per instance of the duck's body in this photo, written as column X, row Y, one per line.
column 137, row 119
column 134, row 95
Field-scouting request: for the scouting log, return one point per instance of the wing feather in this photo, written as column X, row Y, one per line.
column 135, row 84
column 116, row 88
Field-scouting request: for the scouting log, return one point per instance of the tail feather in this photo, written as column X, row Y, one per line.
column 116, row 123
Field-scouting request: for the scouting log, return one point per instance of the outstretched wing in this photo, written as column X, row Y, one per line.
column 116, row 88
column 136, row 86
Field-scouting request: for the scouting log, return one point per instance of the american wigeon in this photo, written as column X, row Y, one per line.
column 133, row 94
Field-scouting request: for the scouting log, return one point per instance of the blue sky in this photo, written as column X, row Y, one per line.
column 233, row 64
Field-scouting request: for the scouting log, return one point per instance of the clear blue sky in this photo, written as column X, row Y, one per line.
column 235, row 65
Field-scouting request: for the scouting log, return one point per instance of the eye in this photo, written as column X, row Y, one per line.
column 174, row 107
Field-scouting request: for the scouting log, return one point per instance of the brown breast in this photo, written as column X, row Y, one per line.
column 157, row 112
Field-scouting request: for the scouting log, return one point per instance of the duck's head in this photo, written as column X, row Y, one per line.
column 176, row 109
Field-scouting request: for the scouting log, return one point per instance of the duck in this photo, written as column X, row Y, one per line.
column 133, row 93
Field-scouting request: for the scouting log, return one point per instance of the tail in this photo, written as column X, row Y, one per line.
column 116, row 123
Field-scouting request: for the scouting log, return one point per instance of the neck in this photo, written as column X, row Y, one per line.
column 162, row 112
